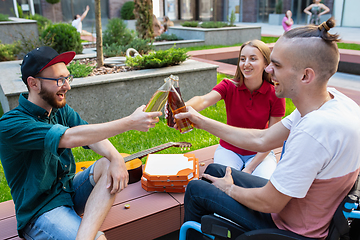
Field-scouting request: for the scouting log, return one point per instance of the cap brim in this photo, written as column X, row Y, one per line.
column 65, row 57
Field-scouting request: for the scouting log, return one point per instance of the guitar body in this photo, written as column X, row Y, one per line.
column 133, row 162
column 134, row 167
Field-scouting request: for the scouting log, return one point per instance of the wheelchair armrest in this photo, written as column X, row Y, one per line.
column 271, row 234
column 220, row 227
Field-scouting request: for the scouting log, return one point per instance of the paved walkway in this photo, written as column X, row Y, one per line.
column 347, row 34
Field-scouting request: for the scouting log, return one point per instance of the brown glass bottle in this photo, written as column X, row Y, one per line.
column 170, row 116
column 177, row 105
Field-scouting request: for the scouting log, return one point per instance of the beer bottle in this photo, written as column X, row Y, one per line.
column 177, row 105
column 170, row 118
column 159, row 98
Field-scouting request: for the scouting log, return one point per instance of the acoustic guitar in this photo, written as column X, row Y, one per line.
column 133, row 162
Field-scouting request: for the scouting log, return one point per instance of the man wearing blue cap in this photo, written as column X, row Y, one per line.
column 35, row 150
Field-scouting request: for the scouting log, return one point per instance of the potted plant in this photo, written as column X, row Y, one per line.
column 127, row 14
column 276, row 18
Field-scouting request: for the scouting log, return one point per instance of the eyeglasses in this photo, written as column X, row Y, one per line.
column 61, row 80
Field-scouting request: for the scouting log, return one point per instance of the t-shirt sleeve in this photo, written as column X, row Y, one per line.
column 72, row 118
column 26, row 134
column 300, row 163
column 52, row 138
column 288, row 121
column 278, row 107
column 222, row 87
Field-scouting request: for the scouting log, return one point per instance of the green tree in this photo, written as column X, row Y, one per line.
column 127, row 11
column 63, row 37
column 117, row 32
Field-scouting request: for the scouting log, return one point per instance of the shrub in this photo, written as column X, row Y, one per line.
column 52, row 1
column 63, row 37
column 167, row 37
column 278, row 7
column 8, row 52
column 212, row 24
column 161, row 58
column 232, row 18
column 28, row 42
column 127, row 11
column 141, row 45
column 42, row 22
column 20, row 11
column 114, row 50
column 117, row 33
column 4, row 17
column 79, row 70
column 190, row 24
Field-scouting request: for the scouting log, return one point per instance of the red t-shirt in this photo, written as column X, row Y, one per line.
column 247, row 110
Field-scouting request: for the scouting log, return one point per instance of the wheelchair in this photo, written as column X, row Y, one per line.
column 345, row 225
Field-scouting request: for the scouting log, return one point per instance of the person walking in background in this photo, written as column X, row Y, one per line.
column 77, row 22
column 167, row 23
column 157, row 27
column 250, row 102
column 314, row 11
column 287, row 21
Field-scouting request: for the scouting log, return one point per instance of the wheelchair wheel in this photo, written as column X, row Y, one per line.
column 355, row 229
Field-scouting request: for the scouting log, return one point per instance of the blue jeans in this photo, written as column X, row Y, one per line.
column 203, row 198
column 63, row 222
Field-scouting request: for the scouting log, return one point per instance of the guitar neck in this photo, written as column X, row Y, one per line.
column 148, row 151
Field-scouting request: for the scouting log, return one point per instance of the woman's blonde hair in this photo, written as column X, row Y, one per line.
column 264, row 50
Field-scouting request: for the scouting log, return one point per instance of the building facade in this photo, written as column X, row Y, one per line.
column 189, row 10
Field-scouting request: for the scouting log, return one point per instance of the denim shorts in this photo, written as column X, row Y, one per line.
column 62, row 223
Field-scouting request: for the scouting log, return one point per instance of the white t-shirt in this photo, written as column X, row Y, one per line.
column 319, row 166
column 77, row 24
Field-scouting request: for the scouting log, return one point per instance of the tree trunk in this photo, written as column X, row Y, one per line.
column 144, row 18
column 99, row 48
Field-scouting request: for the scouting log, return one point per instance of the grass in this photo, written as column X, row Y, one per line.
column 269, row 39
column 351, row 46
column 133, row 141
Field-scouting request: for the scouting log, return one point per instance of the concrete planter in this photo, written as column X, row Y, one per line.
column 276, row 19
column 131, row 24
column 218, row 36
column 179, row 44
column 13, row 30
column 112, row 96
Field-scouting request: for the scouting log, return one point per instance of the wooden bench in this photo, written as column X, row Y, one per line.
column 151, row 214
